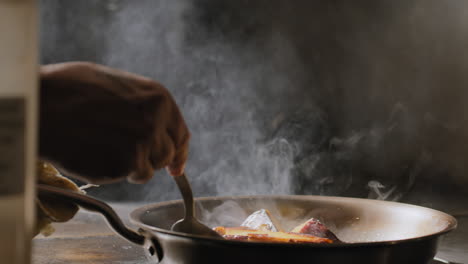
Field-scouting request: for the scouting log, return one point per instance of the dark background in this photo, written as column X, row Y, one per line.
column 351, row 98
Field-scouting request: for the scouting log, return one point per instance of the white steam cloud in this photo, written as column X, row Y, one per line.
column 283, row 98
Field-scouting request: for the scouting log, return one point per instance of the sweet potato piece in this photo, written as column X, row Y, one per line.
column 315, row 228
column 240, row 233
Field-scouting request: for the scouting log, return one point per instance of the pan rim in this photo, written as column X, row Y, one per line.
column 136, row 214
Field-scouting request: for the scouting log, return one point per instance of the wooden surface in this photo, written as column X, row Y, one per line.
column 87, row 239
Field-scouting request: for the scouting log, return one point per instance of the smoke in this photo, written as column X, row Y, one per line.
column 328, row 98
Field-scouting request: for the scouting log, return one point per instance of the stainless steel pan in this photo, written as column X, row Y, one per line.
column 375, row 231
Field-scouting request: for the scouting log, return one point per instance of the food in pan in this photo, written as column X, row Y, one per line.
column 247, row 234
column 315, row 228
column 261, row 226
column 262, row 220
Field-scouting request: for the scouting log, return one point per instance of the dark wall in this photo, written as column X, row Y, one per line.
column 309, row 97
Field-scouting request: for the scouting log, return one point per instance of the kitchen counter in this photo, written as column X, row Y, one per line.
column 88, row 239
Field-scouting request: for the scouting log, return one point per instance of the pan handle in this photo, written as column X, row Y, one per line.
column 93, row 205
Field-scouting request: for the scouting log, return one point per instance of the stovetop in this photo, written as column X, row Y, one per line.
column 88, row 239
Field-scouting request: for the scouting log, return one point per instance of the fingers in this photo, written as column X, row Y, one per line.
column 171, row 145
column 144, row 169
column 163, row 151
column 181, row 136
column 177, row 166
column 170, row 150
column 174, row 159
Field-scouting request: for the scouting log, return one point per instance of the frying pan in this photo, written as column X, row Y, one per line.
column 374, row 231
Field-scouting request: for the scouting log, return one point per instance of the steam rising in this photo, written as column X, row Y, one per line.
column 331, row 98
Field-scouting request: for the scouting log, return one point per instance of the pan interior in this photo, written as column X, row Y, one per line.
column 352, row 220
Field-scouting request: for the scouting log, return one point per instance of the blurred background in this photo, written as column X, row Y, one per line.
column 348, row 98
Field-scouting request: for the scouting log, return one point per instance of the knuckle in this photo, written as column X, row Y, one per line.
column 163, row 154
column 81, row 66
column 84, row 64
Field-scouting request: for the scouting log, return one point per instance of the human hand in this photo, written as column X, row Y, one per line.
column 101, row 124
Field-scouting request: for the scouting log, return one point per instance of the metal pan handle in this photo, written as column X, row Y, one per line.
column 93, row 205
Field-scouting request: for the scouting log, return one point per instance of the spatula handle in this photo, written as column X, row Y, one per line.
column 187, row 195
